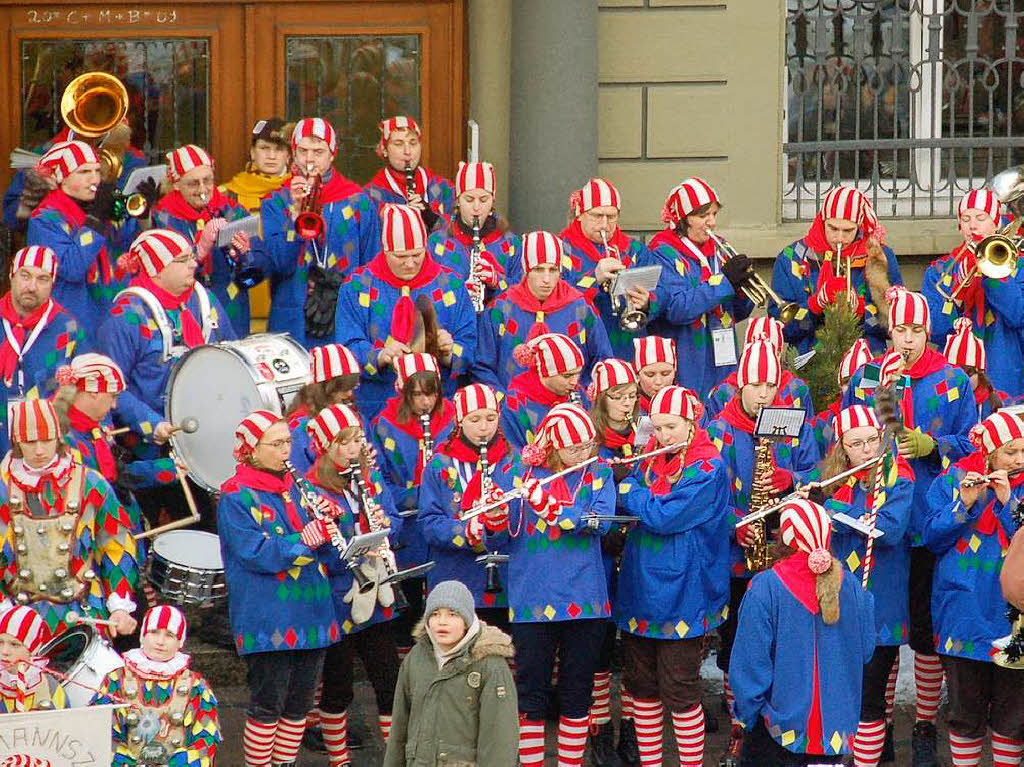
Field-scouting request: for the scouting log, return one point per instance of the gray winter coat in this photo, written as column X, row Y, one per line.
column 463, row 715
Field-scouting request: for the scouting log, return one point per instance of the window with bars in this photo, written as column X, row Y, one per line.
column 912, row 101
column 353, row 81
column 167, row 79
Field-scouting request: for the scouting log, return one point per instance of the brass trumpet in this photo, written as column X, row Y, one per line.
column 995, row 256
column 309, row 223
column 631, row 320
column 757, row 290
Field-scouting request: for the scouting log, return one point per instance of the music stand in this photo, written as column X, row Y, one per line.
column 779, row 422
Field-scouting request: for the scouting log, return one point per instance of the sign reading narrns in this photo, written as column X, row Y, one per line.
column 75, row 737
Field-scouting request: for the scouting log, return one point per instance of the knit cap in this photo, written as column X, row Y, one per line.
column 456, row 597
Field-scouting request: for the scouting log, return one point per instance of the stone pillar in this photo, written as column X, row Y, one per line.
column 553, row 141
column 490, row 76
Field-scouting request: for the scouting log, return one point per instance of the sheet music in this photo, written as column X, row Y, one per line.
column 250, row 225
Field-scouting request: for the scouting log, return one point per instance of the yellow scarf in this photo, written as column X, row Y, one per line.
column 250, row 188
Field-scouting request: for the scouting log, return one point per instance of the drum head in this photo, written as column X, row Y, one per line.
column 190, row 548
column 221, row 384
column 66, row 649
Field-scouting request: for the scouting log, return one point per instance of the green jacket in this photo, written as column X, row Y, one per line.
column 463, row 715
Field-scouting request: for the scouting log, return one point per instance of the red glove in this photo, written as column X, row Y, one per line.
column 497, row 518
column 208, row 238
column 475, row 530
column 826, row 294
column 741, row 534
column 486, row 273
column 327, row 508
column 781, row 481
column 545, row 505
column 315, row 534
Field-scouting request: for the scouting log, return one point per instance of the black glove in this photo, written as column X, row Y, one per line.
column 246, row 273
column 738, row 270
column 429, row 217
column 321, row 299
column 102, row 206
column 816, row 495
column 33, row 191
column 149, row 189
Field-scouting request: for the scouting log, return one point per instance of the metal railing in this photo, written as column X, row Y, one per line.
column 912, row 101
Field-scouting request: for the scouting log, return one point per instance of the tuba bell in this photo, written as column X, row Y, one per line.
column 93, row 105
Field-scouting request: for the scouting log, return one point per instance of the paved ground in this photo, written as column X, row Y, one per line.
column 232, row 697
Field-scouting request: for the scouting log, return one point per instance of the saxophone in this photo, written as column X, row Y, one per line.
column 756, row 555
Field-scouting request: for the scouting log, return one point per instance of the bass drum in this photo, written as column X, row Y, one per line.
column 84, row 657
column 219, row 385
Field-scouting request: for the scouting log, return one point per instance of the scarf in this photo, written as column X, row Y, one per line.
column 21, row 680
column 80, row 422
column 249, row 476
column 191, row 330
column 562, row 296
column 21, row 328
column 529, row 386
column 857, row 251
column 621, row 443
column 104, row 270
column 595, row 251
column 389, row 178
column 379, row 268
column 250, row 187
column 662, row 471
column 929, row 362
column 45, row 481
column 333, row 187
column 458, row 449
column 441, row 655
column 439, row 419
column 489, row 231
column 799, row 581
column 734, row 415
column 701, row 255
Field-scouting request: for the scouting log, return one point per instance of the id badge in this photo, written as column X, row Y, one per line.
column 723, row 341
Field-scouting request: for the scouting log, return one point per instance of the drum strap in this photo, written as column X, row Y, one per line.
column 163, row 322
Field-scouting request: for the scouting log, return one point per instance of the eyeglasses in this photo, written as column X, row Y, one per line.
column 277, row 444
column 583, row 447
column 186, row 259
column 860, row 444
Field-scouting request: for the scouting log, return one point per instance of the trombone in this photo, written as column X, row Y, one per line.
column 756, row 289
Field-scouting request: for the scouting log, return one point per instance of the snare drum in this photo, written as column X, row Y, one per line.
column 219, row 385
column 185, row 567
column 83, row 656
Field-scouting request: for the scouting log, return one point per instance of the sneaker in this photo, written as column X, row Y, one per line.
column 628, row 749
column 601, row 745
column 923, row 743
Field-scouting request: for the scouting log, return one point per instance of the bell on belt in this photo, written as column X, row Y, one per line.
column 40, row 530
column 22, row 598
column 177, row 717
column 176, row 742
column 22, row 548
column 24, row 573
column 63, row 548
column 181, row 689
column 43, row 588
column 67, row 594
column 71, row 506
column 60, row 572
column 132, row 719
column 89, row 575
column 66, row 527
column 19, row 531
column 135, row 739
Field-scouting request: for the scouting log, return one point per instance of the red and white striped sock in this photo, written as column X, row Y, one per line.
column 531, row 741
column 1006, row 752
column 648, row 716
column 626, row 701
column 572, row 740
column 966, row 751
column 890, row 688
column 688, row 727
column 288, row 739
column 384, row 723
column 335, row 727
column 928, row 680
column 313, row 717
column 258, row 742
column 730, row 699
column 601, row 701
column 867, row 745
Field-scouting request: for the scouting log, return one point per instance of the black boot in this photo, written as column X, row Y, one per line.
column 923, row 744
column 732, row 756
column 313, row 740
column 888, row 746
column 355, row 739
column 628, row 749
column 710, row 719
column 601, row 745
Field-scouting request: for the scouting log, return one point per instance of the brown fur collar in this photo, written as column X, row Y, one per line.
column 876, row 276
column 490, row 641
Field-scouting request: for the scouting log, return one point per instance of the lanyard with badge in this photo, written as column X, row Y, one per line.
column 21, row 351
column 723, row 340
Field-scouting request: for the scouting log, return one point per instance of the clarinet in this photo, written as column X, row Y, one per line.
column 428, row 439
column 371, row 509
column 410, row 182
column 309, row 503
column 474, row 267
column 490, row 566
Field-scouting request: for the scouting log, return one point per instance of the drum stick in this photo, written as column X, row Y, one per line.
column 115, row 432
column 189, row 499
column 73, row 618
